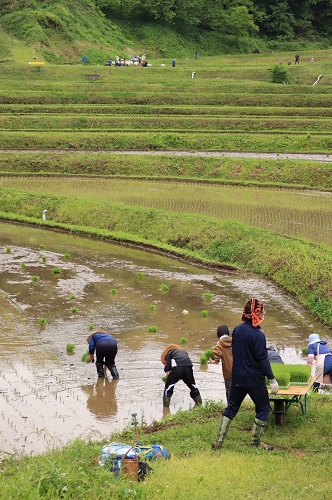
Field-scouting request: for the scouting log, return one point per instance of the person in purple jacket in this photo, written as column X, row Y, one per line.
column 106, row 348
column 250, row 367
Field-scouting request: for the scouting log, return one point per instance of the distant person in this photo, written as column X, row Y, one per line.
column 196, row 54
column 178, row 366
column 173, row 63
column 273, row 356
column 320, row 352
column 250, row 367
column 297, row 59
column 84, row 60
column 223, row 352
column 106, row 348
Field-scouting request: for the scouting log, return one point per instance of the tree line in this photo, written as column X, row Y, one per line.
column 287, row 19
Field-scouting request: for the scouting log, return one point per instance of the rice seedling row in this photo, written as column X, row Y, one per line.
column 187, row 110
column 165, row 98
column 179, row 124
column 145, row 141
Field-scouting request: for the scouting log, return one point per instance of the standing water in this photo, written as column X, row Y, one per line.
column 55, row 287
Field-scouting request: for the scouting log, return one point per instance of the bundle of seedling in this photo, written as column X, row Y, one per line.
column 287, row 375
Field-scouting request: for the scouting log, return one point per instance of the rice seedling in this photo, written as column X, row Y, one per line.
column 153, row 329
column 44, row 258
column 152, row 307
column 204, row 313
column 70, row 348
column 42, row 247
column 140, row 275
column 67, row 256
column 42, row 321
column 22, row 265
column 85, row 357
column 203, row 359
column 72, row 297
column 8, row 250
column 57, row 270
column 35, row 278
column 209, row 353
column 183, row 340
column 74, row 310
column 164, row 378
column 113, row 291
column 207, row 296
column 304, row 351
column 164, row 288
column 90, row 326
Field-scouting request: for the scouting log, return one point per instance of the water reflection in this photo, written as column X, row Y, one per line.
column 101, row 398
column 42, row 388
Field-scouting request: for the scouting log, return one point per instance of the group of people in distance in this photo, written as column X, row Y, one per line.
column 246, row 363
column 133, row 61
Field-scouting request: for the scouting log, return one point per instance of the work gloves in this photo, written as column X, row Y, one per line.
column 274, row 386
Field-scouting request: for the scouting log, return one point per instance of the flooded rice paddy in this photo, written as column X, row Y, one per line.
column 295, row 213
column 49, row 397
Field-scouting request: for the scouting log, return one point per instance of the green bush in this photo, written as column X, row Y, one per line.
column 279, row 74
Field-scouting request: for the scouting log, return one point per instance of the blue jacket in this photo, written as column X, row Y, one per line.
column 97, row 337
column 250, row 361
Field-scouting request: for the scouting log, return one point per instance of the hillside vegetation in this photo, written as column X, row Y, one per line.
column 61, row 32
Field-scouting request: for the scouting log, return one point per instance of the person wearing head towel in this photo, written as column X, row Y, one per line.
column 250, row 367
column 320, row 352
column 178, row 366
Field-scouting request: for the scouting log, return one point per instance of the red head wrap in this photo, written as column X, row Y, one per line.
column 253, row 310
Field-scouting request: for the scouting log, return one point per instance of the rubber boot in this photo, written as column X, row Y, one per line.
column 100, row 369
column 223, row 429
column 198, row 401
column 166, row 402
column 257, row 432
column 114, row 372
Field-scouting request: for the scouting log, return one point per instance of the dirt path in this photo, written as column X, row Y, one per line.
column 219, row 154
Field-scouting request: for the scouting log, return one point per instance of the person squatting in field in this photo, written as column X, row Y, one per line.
column 250, row 367
column 106, row 348
column 320, row 352
column 178, row 366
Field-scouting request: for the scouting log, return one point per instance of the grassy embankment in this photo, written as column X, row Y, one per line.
column 229, row 105
column 293, row 469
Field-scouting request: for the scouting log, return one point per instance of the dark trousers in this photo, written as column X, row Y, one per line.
column 184, row 373
column 259, row 395
column 106, row 351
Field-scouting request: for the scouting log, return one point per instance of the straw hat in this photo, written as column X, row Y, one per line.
column 93, row 333
column 167, row 349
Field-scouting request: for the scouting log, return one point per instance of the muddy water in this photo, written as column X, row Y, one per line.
column 49, row 397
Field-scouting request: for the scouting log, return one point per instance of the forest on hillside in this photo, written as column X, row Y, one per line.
column 284, row 19
column 270, row 18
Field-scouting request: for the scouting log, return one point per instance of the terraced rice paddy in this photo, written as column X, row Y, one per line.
column 226, row 106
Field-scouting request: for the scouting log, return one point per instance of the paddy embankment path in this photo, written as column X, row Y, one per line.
column 218, row 154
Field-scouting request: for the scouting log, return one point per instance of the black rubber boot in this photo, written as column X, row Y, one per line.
column 114, row 372
column 100, row 369
column 198, row 401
